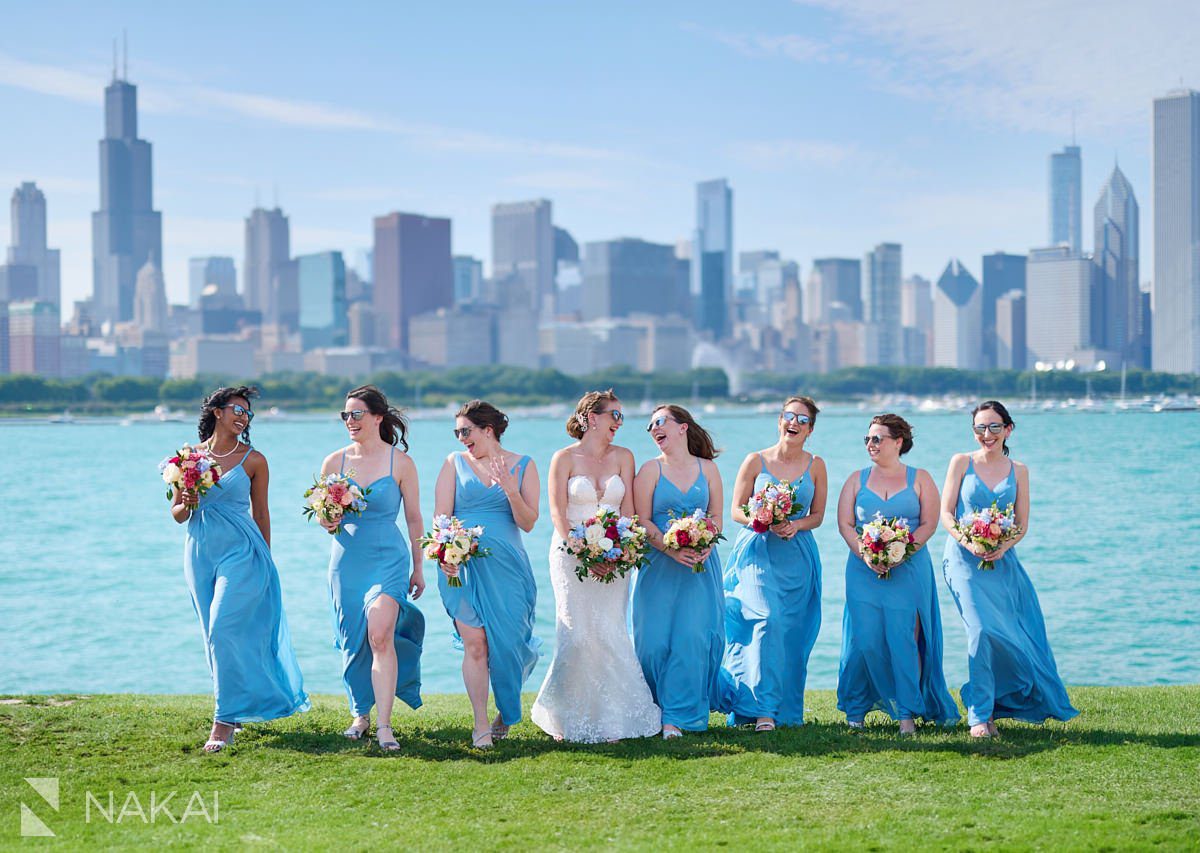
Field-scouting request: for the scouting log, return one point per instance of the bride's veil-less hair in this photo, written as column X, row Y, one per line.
column 592, row 401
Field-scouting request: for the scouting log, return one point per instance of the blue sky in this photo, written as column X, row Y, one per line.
column 840, row 123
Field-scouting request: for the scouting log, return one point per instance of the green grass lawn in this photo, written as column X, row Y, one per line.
column 1125, row 773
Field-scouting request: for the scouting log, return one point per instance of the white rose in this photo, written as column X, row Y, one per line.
column 454, row 555
column 171, row 473
column 594, row 534
column 895, row 552
column 887, row 534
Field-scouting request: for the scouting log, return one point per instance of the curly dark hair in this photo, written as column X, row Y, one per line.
column 393, row 429
column 898, row 427
column 484, row 414
column 219, row 399
column 588, row 403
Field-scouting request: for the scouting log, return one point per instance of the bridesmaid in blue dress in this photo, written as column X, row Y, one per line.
column 1011, row 670
column 678, row 618
column 373, row 569
column 232, row 578
column 493, row 610
column 891, row 628
column 773, row 582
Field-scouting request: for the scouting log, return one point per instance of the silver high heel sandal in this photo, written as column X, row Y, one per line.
column 388, row 744
column 355, row 733
column 214, row 745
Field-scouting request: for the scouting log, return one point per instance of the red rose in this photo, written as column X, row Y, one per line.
column 876, row 546
column 683, row 538
column 441, row 552
column 613, row 534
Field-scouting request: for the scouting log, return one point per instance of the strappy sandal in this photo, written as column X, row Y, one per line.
column 499, row 730
column 671, row 733
column 214, row 745
column 355, row 733
column 482, row 740
column 389, row 744
column 856, row 725
column 765, row 726
column 981, row 731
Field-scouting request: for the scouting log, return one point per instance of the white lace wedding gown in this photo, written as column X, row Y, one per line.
column 594, row 691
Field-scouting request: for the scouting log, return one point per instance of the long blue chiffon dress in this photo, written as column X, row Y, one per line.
column 235, row 589
column 370, row 557
column 678, row 618
column 883, row 666
column 772, row 616
column 1010, row 669
column 498, row 592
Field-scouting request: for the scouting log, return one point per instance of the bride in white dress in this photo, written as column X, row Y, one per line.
column 594, row 691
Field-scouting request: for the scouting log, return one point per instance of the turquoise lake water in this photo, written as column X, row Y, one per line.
column 92, row 597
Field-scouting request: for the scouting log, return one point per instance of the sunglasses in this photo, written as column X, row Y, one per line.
column 994, row 429
column 617, row 415
column 875, row 440
column 463, row 433
column 799, row 420
column 240, row 410
column 353, row 414
column 659, row 421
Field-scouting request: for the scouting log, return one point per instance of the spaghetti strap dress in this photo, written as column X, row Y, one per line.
column 498, row 592
column 1011, row 672
column 370, row 557
column 235, row 590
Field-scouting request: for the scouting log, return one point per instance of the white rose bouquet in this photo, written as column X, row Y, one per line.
column 886, row 543
column 452, row 543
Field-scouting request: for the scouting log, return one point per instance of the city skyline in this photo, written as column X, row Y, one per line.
column 805, row 194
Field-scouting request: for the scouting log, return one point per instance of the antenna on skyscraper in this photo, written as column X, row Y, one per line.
column 114, row 59
column 1072, row 127
column 125, row 53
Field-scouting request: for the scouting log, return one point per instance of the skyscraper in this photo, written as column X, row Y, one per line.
column 957, row 319
column 29, row 241
column 212, row 270
column 916, row 316
column 630, row 276
column 881, row 303
column 1058, row 301
column 1118, row 294
column 1002, row 273
column 834, row 282
column 468, row 279
column 412, row 272
column 523, row 251
column 150, row 300
column 268, row 249
column 1066, row 198
column 321, row 283
column 712, row 258
column 1176, row 289
column 126, row 230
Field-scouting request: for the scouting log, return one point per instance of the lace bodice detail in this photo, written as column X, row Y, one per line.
column 582, row 499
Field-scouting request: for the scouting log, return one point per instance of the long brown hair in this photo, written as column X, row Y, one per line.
column 699, row 442
column 393, row 429
column 588, row 403
column 219, row 399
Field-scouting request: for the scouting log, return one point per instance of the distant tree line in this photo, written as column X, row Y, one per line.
column 521, row 386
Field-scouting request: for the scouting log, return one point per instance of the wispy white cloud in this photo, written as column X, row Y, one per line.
column 774, row 154
column 167, row 93
column 1024, row 64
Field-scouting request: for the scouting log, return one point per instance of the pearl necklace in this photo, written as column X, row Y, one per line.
column 213, row 453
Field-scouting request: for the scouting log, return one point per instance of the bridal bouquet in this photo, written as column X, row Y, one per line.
column 770, row 505
column 607, row 545
column 989, row 527
column 332, row 497
column 452, row 543
column 886, row 543
column 189, row 470
column 697, row 531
